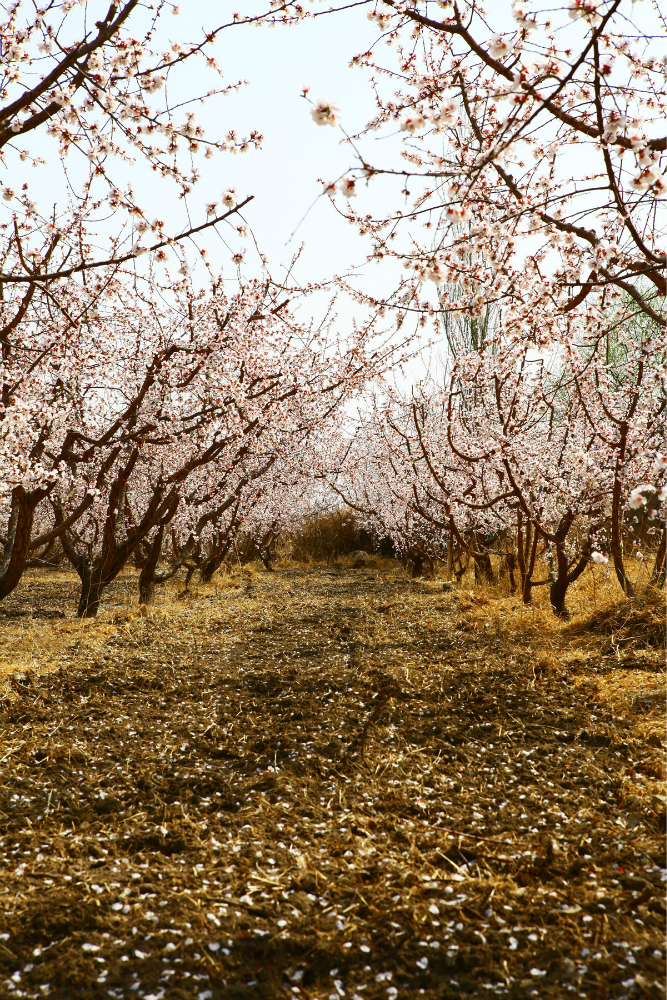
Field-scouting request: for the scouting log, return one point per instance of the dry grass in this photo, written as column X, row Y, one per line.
column 283, row 774
column 41, row 639
column 326, row 538
column 602, row 623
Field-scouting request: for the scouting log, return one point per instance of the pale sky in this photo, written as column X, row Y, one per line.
column 287, row 210
column 283, row 176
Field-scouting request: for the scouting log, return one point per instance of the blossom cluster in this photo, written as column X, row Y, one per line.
column 134, row 407
column 533, row 156
column 530, row 455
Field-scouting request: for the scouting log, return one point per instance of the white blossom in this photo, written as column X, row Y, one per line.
column 325, row 113
column 499, row 47
column 347, row 187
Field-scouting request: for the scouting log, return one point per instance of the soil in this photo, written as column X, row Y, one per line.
column 325, row 783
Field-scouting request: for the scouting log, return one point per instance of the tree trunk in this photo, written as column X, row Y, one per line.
column 215, row 559
column 149, row 568
column 617, row 525
column 520, row 550
column 151, row 576
column 94, row 576
column 510, row 565
column 659, row 567
column 19, row 534
column 450, row 551
column 417, row 559
column 566, row 576
column 208, row 569
column 266, row 548
column 146, row 588
column 266, row 561
column 98, row 574
column 558, row 588
column 529, row 549
column 92, row 586
column 463, row 559
column 483, row 568
column 557, row 593
column 44, row 558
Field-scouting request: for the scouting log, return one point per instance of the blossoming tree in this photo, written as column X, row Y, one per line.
column 533, row 156
column 159, row 407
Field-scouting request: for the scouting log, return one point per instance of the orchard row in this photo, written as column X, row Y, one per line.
column 154, row 406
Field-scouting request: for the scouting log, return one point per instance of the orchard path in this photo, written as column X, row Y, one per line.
column 322, row 783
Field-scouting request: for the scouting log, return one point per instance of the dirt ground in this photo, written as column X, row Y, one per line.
column 328, row 782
